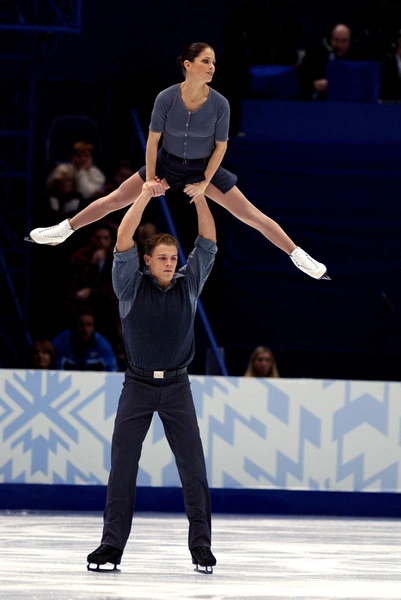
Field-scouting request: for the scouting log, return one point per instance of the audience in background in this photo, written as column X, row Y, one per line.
column 90, row 179
column 262, row 363
column 63, row 198
column 82, row 348
column 90, row 268
column 43, row 355
column 312, row 70
column 91, row 287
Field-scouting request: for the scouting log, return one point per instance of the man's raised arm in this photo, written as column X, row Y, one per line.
column 132, row 219
column 206, row 224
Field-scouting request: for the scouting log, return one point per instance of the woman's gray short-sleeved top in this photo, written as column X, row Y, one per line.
column 190, row 134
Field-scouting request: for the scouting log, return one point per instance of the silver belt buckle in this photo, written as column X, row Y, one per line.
column 158, row 374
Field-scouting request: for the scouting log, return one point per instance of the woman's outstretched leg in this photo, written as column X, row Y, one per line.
column 239, row 206
column 126, row 194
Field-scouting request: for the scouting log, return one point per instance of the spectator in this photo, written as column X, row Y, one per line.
column 262, row 363
column 64, row 200
column 91, row 266
column 90, row 285
column 312, row 70
column 43, row 355
column 90, row 179
column 81, row 348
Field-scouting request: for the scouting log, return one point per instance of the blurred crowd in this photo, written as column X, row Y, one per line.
column 79, row 308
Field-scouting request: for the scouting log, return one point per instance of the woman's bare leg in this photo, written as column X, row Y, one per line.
column 236, row 203
column 239, row 206
column 126, row 194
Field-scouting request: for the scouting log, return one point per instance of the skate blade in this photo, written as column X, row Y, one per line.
column 204, row 570
column 102, row 568
column 325, row 276
column 29, row 239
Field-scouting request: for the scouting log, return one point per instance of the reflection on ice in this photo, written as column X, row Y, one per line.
column 43, row 556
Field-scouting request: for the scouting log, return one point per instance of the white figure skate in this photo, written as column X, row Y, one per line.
column 51, row 235
column 308, row 265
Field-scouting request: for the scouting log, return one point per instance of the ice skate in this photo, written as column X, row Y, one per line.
column 103, row 555
column 51, row 235
column 308, row 265
column 204, row 560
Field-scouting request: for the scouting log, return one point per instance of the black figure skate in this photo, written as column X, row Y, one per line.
column 204, row 560
column 102, row 555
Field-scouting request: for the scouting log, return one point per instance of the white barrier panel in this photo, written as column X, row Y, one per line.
column 303, row 434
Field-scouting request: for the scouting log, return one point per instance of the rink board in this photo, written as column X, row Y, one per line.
column 276, row 435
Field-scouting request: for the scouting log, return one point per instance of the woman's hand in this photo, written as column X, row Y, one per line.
column 195, row 189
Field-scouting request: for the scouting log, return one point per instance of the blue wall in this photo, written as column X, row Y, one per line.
column 329, row 173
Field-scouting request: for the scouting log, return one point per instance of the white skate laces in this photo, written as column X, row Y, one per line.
column 52, row 235
column 308, row 265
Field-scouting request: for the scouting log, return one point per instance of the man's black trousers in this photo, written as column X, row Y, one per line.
column 172, row 399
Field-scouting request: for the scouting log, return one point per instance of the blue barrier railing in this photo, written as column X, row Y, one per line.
column 173, row 231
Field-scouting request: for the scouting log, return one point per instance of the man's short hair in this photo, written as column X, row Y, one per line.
column 157, row 239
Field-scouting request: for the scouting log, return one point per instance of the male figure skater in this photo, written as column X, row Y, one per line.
column 157, row 311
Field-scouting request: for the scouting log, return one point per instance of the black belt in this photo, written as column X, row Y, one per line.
column 157, row 374
column 185, row 161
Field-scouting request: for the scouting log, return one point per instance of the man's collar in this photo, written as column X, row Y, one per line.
column 176, row 276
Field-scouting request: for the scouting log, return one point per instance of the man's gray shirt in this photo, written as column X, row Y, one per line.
column 158, row 324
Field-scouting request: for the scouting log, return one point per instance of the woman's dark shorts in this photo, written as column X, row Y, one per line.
column 178, row 173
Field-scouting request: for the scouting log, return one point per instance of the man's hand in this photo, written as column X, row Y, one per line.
column 155, row 187
column 133, row 216
column 196, row 189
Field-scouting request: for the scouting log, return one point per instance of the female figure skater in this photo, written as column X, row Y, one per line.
column 193, row 119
